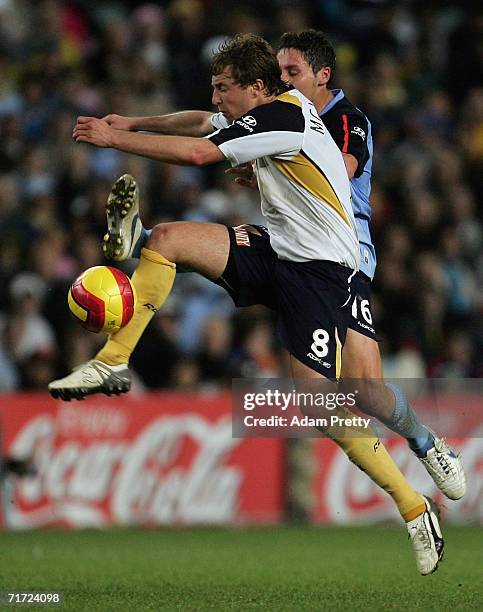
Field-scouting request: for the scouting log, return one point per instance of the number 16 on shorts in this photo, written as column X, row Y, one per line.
column 365, row 310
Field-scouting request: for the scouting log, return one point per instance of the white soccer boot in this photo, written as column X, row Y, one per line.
column 445, row 468
column 92, row 377
column 124, row 226
column 426, row 538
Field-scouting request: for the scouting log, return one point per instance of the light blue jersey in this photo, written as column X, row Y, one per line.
column 351, row 130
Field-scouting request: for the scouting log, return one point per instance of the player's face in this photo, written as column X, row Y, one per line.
column 230, row 98
column 297, row 72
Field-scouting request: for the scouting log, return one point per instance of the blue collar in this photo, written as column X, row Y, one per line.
column 338, row 95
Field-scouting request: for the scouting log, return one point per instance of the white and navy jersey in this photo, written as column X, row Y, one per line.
column 303, row 183
column 351, row 130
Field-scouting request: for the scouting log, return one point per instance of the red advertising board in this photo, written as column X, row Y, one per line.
column 156, row 459
column 170, row 459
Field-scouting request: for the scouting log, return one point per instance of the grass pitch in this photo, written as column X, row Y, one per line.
column 287, row 568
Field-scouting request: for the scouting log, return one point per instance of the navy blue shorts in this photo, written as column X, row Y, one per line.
column 359, row 311
column 311, row 298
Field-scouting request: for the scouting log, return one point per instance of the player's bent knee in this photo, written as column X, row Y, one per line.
column 158, row 236
column 161, row 241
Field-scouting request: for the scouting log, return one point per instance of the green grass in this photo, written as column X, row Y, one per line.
column 287, row 568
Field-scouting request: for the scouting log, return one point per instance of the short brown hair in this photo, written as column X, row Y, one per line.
column 250, row 58
column 315, row 47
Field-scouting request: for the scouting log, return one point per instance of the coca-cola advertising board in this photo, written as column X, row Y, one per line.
column 344, row 494
column 155, row 459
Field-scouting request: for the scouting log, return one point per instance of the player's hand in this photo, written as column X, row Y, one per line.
column 244, row 175
column 118, row 122
column 93, row 131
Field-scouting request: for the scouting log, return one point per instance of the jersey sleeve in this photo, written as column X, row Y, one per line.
column 275, row 129
column 219, row 121
column 350, row 136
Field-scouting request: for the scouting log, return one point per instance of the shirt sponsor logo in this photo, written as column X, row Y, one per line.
column 357, row 131
column 247, row 122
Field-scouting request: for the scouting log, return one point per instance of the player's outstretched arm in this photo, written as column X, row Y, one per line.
column 182, row 150
column 184, row 123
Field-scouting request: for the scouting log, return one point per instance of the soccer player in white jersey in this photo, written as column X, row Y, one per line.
column 300, row 267
column 307, row 60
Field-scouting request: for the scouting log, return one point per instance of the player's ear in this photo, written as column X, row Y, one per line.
column 258, row 87
column 323, row 75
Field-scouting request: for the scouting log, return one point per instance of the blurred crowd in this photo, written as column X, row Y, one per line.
column 413, row 67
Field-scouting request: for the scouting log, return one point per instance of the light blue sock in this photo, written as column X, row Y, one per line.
column 406, row 423
column 143, row 238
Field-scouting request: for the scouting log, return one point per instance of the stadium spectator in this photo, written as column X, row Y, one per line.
column 95, row 58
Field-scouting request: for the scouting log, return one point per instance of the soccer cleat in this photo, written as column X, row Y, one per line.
column 446, row 469
column 92, row 377
column 427, row 539
column 124, row 227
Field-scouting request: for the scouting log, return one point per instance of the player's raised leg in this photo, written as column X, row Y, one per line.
column 203, row 247
column 361, row 363
column 364, row 449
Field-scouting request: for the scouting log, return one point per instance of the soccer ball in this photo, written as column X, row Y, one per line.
column 102, row 299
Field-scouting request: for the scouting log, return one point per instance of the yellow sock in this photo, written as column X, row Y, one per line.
column 153, row 280
column 366, row 451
